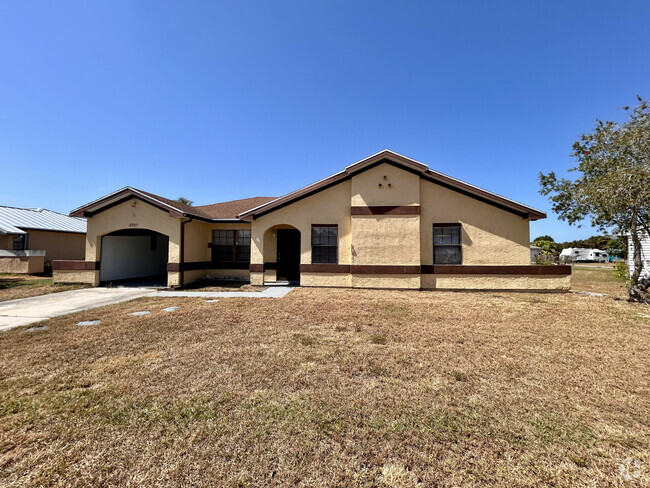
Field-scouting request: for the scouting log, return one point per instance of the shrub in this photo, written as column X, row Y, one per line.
column 621, row 271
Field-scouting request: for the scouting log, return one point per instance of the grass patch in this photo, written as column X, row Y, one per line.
column 598, row 280
column 14, row 286
column 305, row 340
column 378, row 339
column 471, row 390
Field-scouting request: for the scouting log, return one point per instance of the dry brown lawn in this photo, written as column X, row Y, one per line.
column 332, row 388
column 597, row 279
column 218, row 285
column 13, row 286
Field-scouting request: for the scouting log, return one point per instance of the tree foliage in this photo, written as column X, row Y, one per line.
column 613, row 187
column 184, row 201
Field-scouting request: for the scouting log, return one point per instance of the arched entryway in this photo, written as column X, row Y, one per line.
column 136, row 256
column 282, row 254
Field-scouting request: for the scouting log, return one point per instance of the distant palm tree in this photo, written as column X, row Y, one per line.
column 184, row 201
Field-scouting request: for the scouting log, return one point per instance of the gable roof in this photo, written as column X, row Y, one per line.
column 13, row 220
column 213, row 212
column 175, row 209
column 408, row 164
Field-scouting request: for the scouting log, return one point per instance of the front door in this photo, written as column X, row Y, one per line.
column 288, row 258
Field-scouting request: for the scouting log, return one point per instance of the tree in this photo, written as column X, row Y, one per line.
column 548, row 246
column 543, row 238
column 613, row 189
column 184, row 201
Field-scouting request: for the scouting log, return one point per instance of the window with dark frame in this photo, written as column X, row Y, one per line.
column 447, row 247
column 231, row 245
column 20, row 243
column 324, row 244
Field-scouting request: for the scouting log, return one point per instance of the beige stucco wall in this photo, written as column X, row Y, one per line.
column 331, row 206
column 89, row 277
column 257, row 278
column 385, row 281
column 58, row 245
column 127, row 216
column 197, row 237
column 22, row 264
column 489, row 235
column 501, row 282
column 386, row 240
column 404, row 189
column 342, row 280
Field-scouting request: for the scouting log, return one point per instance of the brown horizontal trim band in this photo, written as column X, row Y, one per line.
column 324, row 268
column 525, row 270
column 392, row 210
column 324, row 225
column 447, row 224
column 74, row 265
column 256, row 268
column 384, row 269
column 173, row 267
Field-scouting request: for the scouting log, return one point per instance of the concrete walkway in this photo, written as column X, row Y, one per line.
column 25, row 311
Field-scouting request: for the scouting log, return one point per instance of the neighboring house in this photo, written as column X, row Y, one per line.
column 645, row 255
column 534, row 253
column 30, row 237
column 384, row 222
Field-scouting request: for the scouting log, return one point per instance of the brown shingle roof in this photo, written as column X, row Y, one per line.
column 230, row 210
column 188, row 209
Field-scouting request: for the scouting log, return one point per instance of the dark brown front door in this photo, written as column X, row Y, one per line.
column 288, row 259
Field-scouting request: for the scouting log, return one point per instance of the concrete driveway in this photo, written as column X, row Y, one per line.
column 25, row 311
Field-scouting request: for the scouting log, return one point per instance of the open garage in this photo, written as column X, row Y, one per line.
column 136, row 256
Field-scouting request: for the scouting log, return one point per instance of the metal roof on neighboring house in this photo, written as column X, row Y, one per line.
column 15, row 220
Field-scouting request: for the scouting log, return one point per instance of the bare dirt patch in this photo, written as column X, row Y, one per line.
column 331, row 388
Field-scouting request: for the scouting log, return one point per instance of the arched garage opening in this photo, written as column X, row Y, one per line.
column 136, row 256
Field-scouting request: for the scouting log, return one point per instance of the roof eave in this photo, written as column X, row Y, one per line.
column 97, row 205
column 524, row 211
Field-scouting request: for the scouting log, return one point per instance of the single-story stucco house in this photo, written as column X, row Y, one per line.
column 32, row 237
column 387, row 221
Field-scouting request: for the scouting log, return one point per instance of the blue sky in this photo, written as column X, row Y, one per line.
column 223, row 100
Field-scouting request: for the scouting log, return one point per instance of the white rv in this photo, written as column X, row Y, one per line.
column 581, row 255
